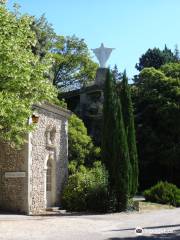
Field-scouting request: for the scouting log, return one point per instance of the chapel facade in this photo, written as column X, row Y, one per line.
column 32, row 179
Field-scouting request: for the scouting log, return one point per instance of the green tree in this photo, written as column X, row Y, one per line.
column 116, row 74
column 73, row 67
column 156, row 58
column 128, row 116
column 81, row 148
column 122, row 172
column 45, row 36
column 108, row 129
column 115, row 153
column 176, row 52
column 22, row 78
column 157, row 104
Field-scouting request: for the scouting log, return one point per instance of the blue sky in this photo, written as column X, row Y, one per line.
column 130, row 26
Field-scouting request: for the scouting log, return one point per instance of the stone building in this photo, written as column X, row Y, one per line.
column 32, row 179
column 87, row 103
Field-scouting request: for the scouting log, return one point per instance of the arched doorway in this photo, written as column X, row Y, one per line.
column 50, row 183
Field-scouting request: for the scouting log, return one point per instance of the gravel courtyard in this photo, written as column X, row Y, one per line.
column 159, row 224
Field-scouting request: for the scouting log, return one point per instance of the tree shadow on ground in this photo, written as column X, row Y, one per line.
column 169, row 236
column 155, row 227
column 166, row 232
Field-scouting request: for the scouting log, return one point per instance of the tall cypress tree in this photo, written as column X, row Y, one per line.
column 108, row 130
column 128, row 116
column 121, row 161
column 114, row 145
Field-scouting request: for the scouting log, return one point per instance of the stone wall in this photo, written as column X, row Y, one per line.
column 87, row 103
column 45, row 147
column 23, row 180
column 13, row 190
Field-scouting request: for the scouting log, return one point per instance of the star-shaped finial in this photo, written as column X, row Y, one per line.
column 102, row 53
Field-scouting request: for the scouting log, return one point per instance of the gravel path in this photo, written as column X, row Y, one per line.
column 161, row 224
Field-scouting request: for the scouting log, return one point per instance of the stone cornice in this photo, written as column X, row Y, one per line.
column 54, row 109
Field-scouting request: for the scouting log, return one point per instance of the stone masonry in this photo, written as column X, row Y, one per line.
column 87, row 103
column 13, row 191
column 33, row 178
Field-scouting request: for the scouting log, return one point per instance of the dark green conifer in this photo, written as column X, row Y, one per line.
column 114, row 145
column 128, row 116
column 108, row 129
column 121, row 161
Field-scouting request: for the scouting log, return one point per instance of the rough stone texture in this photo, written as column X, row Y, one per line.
column 87, row 103
column 40, row 154
column 48, row 142
column 101, row 76
column 12, row 189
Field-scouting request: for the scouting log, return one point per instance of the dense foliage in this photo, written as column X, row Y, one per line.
column 45, row 36
column 157, row 103
column 81, row 147
column 73, row 66
column 122, row 167
column 128, row 116
column 115, row 153
column 22, row 76
column 165, row 193
column 31, row 54
column 87, row 190
column 156, row 58
column 116, row 74
column 108, row 126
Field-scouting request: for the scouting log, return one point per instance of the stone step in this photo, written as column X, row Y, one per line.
column 52, row 209
column 62, row 211
column 56, row 209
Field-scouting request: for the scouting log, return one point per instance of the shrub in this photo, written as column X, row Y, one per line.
column 86, row 189
column 165, row 193
column 81, row 147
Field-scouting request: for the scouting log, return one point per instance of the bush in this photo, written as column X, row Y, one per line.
column 87, row 190
column 165, row 193
column 81, row 147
